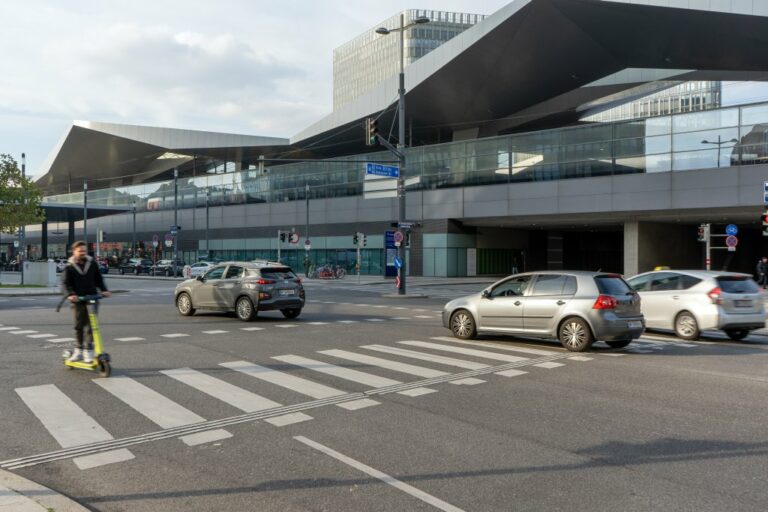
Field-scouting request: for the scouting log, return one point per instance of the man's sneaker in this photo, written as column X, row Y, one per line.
column 77, row 355
column 88, row 356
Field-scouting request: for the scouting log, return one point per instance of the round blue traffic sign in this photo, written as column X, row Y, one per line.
column 732, row 230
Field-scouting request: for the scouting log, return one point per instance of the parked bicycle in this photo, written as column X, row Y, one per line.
column 328, row 272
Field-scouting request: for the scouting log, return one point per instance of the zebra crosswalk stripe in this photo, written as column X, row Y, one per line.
column 338, row 371
column 69, row 424
column 292, row 382
column 410, row 369
column 414, row 354
column 510, row 348
column 219, row 389
column 465, row 351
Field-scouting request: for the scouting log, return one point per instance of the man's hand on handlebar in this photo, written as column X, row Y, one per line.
column 73, row 298
column 106, row 294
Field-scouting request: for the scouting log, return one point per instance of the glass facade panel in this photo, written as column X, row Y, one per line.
column 693, row 141
column 706, row 120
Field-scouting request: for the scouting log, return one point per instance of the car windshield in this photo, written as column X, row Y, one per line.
column 278, row 273
column 737, row 284
column 612, row 285
column 146, row 262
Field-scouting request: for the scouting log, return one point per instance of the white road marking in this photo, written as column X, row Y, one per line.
column 174, row 335
column 215, row 332
column 613, row 354
column 157, row 408
column 292, row 382
column 358, row 404
column 23, row 332
column 224, row 391
column 400, row 308
column 347, row 322
column 251, row 328
column 422, row 316
column 340, row 372
column 205, row 437
column 9, row 328
column 28, row 299
column 499, row 346
column 60, row 340
column 381, row 306
column 417, row 392
column 549, row 365
column 388, row 364
column 129, row 339
column 374, row 320
column 401, row 318
column 69, row 424
column 285, row 326
column 288, row 419
column 38, row 336
column 580, row 358
column 511, row 373
column 387, row 479
column 468, row 365
column 317, row 323
column 328, row 302
column 466, row 351
column 469, row 381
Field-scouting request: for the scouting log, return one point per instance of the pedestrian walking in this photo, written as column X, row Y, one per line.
column 762, row 271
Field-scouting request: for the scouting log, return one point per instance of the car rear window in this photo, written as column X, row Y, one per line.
column 737, row 284
column 612, row 285
column 278, row 273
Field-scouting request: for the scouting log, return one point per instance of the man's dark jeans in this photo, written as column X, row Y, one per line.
column 82, row 323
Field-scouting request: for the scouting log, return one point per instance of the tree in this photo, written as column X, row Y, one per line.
column 19, row 197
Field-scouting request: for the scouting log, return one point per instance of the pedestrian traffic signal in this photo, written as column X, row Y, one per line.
column 282, row 236
column 765, row 222
column 702, row 237
column 371, row 131
column 355, row 239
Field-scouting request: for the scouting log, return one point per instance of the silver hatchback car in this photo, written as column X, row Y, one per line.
column 245, row 288
column 575, row 307
column 690, row 301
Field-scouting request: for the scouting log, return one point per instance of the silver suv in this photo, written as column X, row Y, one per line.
column 690, row 301
column 575, row 307
column 244, row 288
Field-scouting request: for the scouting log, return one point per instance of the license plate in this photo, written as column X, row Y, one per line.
column 742, row 303
column 287, row 292
column 635, row 324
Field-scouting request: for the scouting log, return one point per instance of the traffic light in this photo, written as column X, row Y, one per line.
column 364, row 239
column 371, row 131
column 702, row 236
column 282, row 236
column 355, row 239
column 765, row 222
column 102, row 235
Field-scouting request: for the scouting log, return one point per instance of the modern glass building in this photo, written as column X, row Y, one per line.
column 369, row 59
column 505, row 170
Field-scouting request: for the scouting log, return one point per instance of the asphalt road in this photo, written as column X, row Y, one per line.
column 363, row 403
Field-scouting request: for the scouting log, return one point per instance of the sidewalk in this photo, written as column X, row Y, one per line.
column 18, row 494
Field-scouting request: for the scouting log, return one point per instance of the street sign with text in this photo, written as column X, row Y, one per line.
column 385, row 171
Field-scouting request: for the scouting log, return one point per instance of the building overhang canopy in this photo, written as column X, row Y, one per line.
column 516, row 61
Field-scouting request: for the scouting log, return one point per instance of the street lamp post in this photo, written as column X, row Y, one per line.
column 207, row 217
column 23, row 229
column 401, row 137
column 719, row 145
column 175, row 217
column 85, row 214
column 133, row 239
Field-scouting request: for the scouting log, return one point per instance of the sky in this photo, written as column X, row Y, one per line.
column 254, row 67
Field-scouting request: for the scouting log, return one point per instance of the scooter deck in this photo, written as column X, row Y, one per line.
column 83, row 366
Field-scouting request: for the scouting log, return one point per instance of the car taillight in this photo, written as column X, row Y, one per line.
column 264, row 296
column 715, row 295
column 265, row 281
column 298, row 280
column 605, row 302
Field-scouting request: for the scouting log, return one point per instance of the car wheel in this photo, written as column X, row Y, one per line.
column 122, row 271
column 463, row 325
column 168, row 273
column 686, row 326
column 184, row 305
column 575, row 335
column 291, row 313
column 136, row 271
column 244, row 309
column 737, row 334
column 618, row 343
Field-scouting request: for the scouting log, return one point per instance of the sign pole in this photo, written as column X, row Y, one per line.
column 278, row 246
column 708, row 246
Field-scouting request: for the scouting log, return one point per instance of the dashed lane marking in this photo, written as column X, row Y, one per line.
column 251, row 328
column 38, row 336
column 219, row 331
column 174, row 335
column 129, row 339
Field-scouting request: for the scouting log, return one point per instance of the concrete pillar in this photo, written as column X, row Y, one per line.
column 554, row 250
column 631, row 248
column 44, row 241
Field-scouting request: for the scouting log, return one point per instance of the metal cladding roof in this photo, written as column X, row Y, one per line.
column 533, row 64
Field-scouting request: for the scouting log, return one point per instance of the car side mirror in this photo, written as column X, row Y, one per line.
column 200, row 278
column 486, row 294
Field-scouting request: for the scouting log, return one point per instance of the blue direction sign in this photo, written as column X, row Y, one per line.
column 765, row 192
column 732, row 230
column 385, row 171
column 398, row 262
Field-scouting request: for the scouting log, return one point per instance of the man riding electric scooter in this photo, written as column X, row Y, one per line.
column 82, row 278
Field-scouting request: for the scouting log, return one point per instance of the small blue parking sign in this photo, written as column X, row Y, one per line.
column 732, row 230
column 765, row 192
column 398, row 262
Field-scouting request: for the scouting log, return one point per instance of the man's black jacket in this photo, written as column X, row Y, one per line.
column 83, row 280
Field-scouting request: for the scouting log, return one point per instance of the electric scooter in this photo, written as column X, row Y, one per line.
column 101, row 359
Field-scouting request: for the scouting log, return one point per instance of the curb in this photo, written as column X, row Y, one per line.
column 408, row 296
column 28, row 495
column 143, row 278
column 47, row 294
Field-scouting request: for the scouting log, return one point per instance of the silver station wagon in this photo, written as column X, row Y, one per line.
column 245, row 288
column 576, row 308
